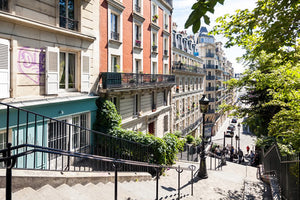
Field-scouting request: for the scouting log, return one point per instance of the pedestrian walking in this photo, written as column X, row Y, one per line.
column 248, row 148
column 240, row 154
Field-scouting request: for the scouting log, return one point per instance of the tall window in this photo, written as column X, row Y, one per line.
column 137, row 6
column 114, row 26
column 67, row 73
column 79, row 135
column 137, row 35
column 115, row 67
column 57, row 135
column 136, row 102
column 166, row 21
column 67, row 14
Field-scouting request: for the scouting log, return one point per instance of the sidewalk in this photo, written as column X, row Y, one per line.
column 234, row 181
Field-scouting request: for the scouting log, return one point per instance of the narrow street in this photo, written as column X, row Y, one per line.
column 246, row 138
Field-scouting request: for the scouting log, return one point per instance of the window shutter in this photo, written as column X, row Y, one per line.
column 85, row 72
column 52, row 70
column 4, row 68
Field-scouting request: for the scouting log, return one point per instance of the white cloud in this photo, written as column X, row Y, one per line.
column 182, row 9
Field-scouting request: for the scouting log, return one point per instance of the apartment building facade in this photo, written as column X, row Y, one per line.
column 135, row 38
column 190, row 78
column 218, row 70
column 49, row 63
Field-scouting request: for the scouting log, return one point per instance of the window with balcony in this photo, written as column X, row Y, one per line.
column 138, row 68
column 137, row 35
column 68, row 14
column 154, row 42
column 115, row 35
column 154, row 13
column 166, row 47
column 166, row 22
column 115, row 63
column 137, row 6
column 136, row 105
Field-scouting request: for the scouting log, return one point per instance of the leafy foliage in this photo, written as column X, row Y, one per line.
column 108, row 121
column 270, row 35
column 190, row 139
column 200, row 8
column 107, row 117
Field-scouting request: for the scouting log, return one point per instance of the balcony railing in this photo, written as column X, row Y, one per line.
column 210, row 55
column 188, row 68
column 166, row 52
column 114, row 35
column 210, row 88
column 211, row 99
column 154, row 48
column 137, row 8
column 137, row 43
column 68, row 23
column 133, row 80
column 218, row 77
column 209, row 66
column 211, row 111
column 210, row 77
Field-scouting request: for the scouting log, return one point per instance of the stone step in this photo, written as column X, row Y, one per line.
column 50, row 192
column 27, row 194
column 69, row 193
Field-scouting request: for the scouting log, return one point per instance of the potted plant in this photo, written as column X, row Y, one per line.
column 154, row 18
column 154, row 47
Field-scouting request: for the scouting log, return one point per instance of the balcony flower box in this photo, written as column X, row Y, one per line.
column 154, row 48
column 154, row 18
column 138, row 43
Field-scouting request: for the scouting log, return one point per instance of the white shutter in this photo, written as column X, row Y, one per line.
column 4, row 68
column 52, row 70
column 85, row 72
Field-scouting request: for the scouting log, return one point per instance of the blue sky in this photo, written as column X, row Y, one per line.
column 182, row 9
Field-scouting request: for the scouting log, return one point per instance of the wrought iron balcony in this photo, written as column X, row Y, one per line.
column 210, row 55
column 4, row 5
column 210, row 88
column 137, row 8
column 210, row 66
column 117, row 80
column 210, row 77
column 188, row 68
column 114, row 35
column 211, row 111
column 211, row 99
column 137, row 43
column 166, row 52
column 68, row 23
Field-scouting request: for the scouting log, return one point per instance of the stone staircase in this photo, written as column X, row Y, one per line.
column 235, row 181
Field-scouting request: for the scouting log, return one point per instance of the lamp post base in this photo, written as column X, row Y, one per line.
column 202, row 174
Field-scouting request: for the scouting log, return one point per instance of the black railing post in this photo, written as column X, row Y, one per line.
column 9, row 165
column 179, row 172
column 157, row 177
column 192, row 168
column 116, row 180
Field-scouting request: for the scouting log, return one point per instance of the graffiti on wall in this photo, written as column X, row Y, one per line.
column 31, row 63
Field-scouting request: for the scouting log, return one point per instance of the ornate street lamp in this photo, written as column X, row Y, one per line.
column 202, row 169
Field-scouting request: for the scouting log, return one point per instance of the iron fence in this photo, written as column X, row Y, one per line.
column 24, row 127
column 285, row 169
column 10, row 159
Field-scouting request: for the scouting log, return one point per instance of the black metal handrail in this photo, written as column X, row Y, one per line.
column 68, row 23
column 114, row 35
column 125, row 80
column 116, row 164
column 30, row 128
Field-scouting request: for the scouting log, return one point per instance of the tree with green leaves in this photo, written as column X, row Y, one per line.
column 270, row 35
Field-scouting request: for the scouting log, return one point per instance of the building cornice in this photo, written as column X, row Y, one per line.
column 117, row 4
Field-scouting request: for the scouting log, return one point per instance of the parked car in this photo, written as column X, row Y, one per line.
column 234, row 120
column 229, row 133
